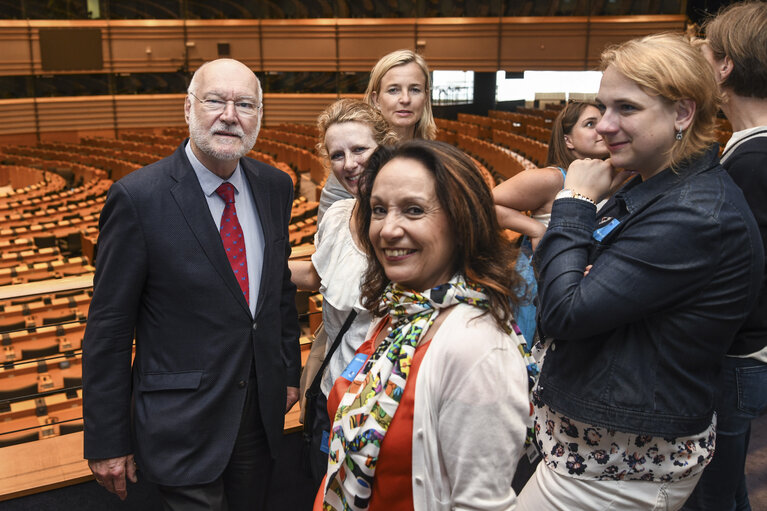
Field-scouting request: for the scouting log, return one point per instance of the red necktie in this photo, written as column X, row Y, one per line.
column 231, row 236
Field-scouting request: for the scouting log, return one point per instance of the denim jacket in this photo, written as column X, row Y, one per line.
column 638, row 343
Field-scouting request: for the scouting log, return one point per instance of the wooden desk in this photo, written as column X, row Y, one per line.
column 44, row 465
column 55, row 462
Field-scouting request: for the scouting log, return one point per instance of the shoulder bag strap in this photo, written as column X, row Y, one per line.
column 337, row 342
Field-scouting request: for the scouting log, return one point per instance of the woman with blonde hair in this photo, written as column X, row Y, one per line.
column 624, row 406
column 350, row 131
column 399, row 88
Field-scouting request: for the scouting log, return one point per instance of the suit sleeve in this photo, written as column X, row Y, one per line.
column 291, row 350
column 121, row 267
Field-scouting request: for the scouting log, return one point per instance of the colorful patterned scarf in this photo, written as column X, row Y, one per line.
column 367, row 408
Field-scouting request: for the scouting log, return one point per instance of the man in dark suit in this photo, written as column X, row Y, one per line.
column 217, row 359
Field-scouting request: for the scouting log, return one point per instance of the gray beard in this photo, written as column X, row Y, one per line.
column 202, row 139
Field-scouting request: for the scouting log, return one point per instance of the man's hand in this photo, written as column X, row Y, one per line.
column 110, row 473
column 292, row 398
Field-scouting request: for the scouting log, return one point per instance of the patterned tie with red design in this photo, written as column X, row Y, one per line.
column 231, row 236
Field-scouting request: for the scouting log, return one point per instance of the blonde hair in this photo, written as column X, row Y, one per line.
column 668, row 65
column 425, row 127
column 352, row 110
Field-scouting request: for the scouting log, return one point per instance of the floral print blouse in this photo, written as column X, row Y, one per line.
column 576, row 449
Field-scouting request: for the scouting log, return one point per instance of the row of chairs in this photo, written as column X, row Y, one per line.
column 138, row 157
column 20, row 202
column 34, row 272
column 41, row 341
column 499, row 160
column 309, row 130
column 28, row 183
column 33, row 255
column 115, row 168
column 44, row 310
column 550, row 112
column 10, row 219
column 58, row 229
column 158, row 149
column 43, row 417
column 533, row 150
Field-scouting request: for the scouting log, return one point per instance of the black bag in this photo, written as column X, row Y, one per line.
column 314, row 389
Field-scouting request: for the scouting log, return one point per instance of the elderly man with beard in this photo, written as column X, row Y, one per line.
column 192, row 261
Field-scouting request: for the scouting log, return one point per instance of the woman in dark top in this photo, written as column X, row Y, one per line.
column 736, row 49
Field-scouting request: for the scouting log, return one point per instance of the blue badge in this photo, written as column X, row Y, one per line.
column 602, row 232
column 325, row 443
column 354, row 366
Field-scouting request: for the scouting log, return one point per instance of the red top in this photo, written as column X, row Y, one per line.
column 393, row 482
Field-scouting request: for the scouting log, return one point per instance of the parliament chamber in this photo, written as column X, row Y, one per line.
column 91, row 91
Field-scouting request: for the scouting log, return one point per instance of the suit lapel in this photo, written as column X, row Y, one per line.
column 261, row 200
column 192, row 202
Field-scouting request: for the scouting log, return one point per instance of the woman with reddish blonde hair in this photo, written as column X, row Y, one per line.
column 624, row 414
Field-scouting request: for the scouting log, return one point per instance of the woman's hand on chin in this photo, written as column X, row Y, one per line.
column 589, row 177
column 596, row 179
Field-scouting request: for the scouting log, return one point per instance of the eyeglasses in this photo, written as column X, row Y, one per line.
column 244, row 107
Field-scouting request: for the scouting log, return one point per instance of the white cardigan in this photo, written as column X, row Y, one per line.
column 471, row 412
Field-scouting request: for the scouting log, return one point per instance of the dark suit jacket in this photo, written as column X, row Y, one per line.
column 162, row 272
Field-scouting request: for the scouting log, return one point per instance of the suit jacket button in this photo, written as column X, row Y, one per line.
column 242, row 384
column 255, row 325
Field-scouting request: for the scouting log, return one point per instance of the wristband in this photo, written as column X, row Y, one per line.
column 572, row 194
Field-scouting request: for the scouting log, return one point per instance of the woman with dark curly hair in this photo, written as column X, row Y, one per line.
column 432, row 413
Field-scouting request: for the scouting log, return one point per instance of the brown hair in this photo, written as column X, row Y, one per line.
column 559, row 154
column 482, row 255
column 739, row 32
column 352, row 110
column 425, row 128
column 668, row 65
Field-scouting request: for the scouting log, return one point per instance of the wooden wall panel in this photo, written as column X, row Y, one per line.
column 164, row 39
column 299, row 45
column 34, row 35
column 243, row 37
column 460, row 43
column 572, row 43
column 543, row 43
column 342, row 44
column 75, row 113
column 17, row 116
column 611, row 30
column 150, row 111
column 68, row 118
column 14, row 40
column 302, row 108
column 362, row 42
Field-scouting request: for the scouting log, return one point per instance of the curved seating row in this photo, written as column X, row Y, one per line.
column 20, row 203
column 533, row 150
column 499, row 160
column 27, row 183
column 158, row 150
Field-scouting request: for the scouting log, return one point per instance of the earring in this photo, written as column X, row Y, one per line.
column 678, row 134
